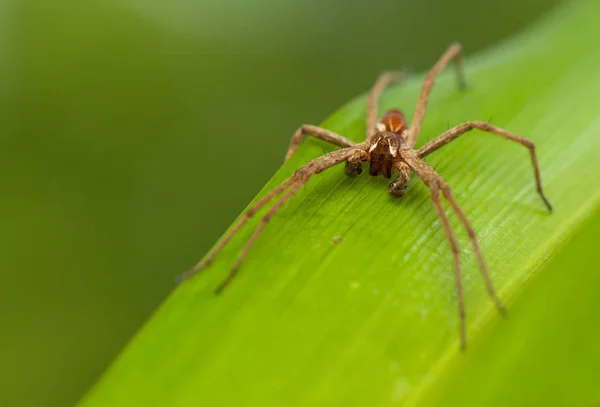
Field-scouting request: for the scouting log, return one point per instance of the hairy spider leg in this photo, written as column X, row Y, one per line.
column 294, row 183
column 473, row 237
column 384, row 80
column 435, row 196
column 257, row 231
column 239, row 224
column 436, row 183
column 463, row 128
column 318, row 132
column 454, row 52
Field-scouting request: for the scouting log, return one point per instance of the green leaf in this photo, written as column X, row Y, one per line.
column 371, row 320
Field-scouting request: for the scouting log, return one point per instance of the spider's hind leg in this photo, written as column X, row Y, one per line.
column 475, row 242
column 384, row 80
column 435, row 196
column 453, row 53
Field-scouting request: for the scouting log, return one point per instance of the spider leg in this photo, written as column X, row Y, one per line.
column 463, row 128
column 435, row 183
column 241, row 222
column 384, row 80
column 454, row 52
column 300, row 177
column 294, row 183
column 482, row 265
column 263, row 222
column 435, row 196
column 318, row 132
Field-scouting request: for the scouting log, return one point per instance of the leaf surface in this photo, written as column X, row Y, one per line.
column 371, row 319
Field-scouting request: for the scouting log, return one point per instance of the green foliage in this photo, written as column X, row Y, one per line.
column 372, row 320
column 107, row 110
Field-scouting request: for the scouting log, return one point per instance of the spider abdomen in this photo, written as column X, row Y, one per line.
column 394, row 121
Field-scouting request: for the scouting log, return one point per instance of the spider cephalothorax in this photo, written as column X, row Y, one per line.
column 383, row 147
column 383, row 153
column 389, row 146
column 385, row 150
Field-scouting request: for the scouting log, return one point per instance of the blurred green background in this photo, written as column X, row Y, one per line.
column 133, row 132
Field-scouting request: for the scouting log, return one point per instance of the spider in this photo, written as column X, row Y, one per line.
column 389, row 146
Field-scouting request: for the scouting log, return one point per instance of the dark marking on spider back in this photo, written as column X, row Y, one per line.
column 394, row 121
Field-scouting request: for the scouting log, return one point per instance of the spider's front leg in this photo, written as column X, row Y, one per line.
column 288, row 188
column 317, row 132
column 384, row 80
column 397, row 188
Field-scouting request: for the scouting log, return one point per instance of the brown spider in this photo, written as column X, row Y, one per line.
column 389, row 146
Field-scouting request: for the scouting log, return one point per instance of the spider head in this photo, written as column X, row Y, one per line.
column 383, row 150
